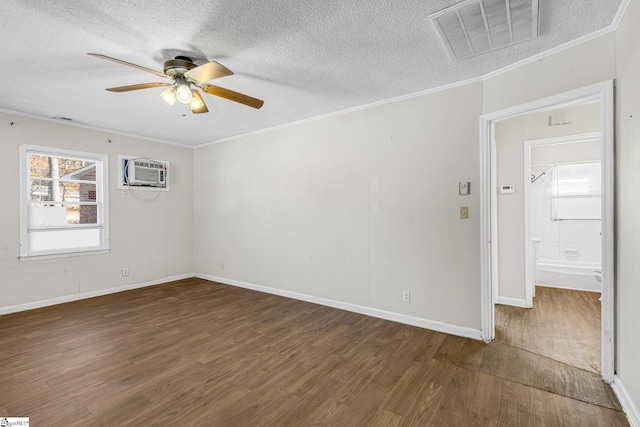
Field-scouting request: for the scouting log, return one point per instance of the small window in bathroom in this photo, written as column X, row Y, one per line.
column 575, row 191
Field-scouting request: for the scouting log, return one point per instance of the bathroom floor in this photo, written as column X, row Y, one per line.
column 563, row 325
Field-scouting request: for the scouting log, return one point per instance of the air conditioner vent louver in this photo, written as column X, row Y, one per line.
column 477, row 26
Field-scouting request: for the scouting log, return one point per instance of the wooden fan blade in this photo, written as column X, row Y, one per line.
column 209, row 71
column 136, row 87
column 232, row 95
column 139, row 67
column 197, row 104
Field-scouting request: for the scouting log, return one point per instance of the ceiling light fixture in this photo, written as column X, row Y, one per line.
column 197, row 104
column 183, row 94
column 183, row 90
column 169, row 95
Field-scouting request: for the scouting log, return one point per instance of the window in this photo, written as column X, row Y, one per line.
column 575, row 191
column 64, row 202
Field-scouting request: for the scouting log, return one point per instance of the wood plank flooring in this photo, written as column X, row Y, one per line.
column 199, row 353
column 563, row 325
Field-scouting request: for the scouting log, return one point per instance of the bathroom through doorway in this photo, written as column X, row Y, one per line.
column 509, row 257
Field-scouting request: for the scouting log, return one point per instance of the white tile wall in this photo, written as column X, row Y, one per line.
column 556, row 236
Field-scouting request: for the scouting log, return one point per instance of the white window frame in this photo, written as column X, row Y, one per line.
column 102, row 193
column 557, row 198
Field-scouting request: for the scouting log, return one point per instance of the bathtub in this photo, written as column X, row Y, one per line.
column 568, row 274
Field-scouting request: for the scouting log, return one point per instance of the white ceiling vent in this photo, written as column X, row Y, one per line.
column 477, row 26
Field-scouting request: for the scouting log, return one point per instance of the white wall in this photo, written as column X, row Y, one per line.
column 510, row 135
column 579, row 66
column 584, row 151
column 353, row 208
column 153, row 239
column 628, row 203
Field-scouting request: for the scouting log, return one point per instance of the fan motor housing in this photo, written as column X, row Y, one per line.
column 179, row 65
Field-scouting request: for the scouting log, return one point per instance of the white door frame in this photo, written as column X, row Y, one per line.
column 529, row 286
column 488, row 213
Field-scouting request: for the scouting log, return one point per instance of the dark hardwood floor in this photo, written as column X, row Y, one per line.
column 199, row 353
column 563, row 325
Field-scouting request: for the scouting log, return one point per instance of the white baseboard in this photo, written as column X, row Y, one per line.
column 85, row 295
column 516, row 302
column 446, row 328
column 629, row 408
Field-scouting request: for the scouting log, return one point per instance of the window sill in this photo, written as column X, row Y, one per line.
column 62, row 255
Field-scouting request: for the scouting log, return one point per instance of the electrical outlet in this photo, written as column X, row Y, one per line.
column 125, row 271
column 464, row 212
column 406, row 296
column 220, row 265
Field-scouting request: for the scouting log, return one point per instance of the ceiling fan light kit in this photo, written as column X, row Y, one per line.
column 197, row 104
column 185, row 74
column 169, row 95
column 183, row 90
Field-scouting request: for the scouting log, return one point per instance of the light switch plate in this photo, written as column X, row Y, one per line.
column 464, row 188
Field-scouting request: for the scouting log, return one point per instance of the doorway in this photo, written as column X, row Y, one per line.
column 563, row 210
column 490, row 187
column 562, row 225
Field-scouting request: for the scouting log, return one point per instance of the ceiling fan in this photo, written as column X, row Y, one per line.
column 186, row 74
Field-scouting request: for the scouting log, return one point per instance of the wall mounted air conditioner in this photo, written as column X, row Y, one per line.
column 143, row 173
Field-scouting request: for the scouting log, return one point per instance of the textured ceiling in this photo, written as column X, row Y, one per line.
column 304, row 58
